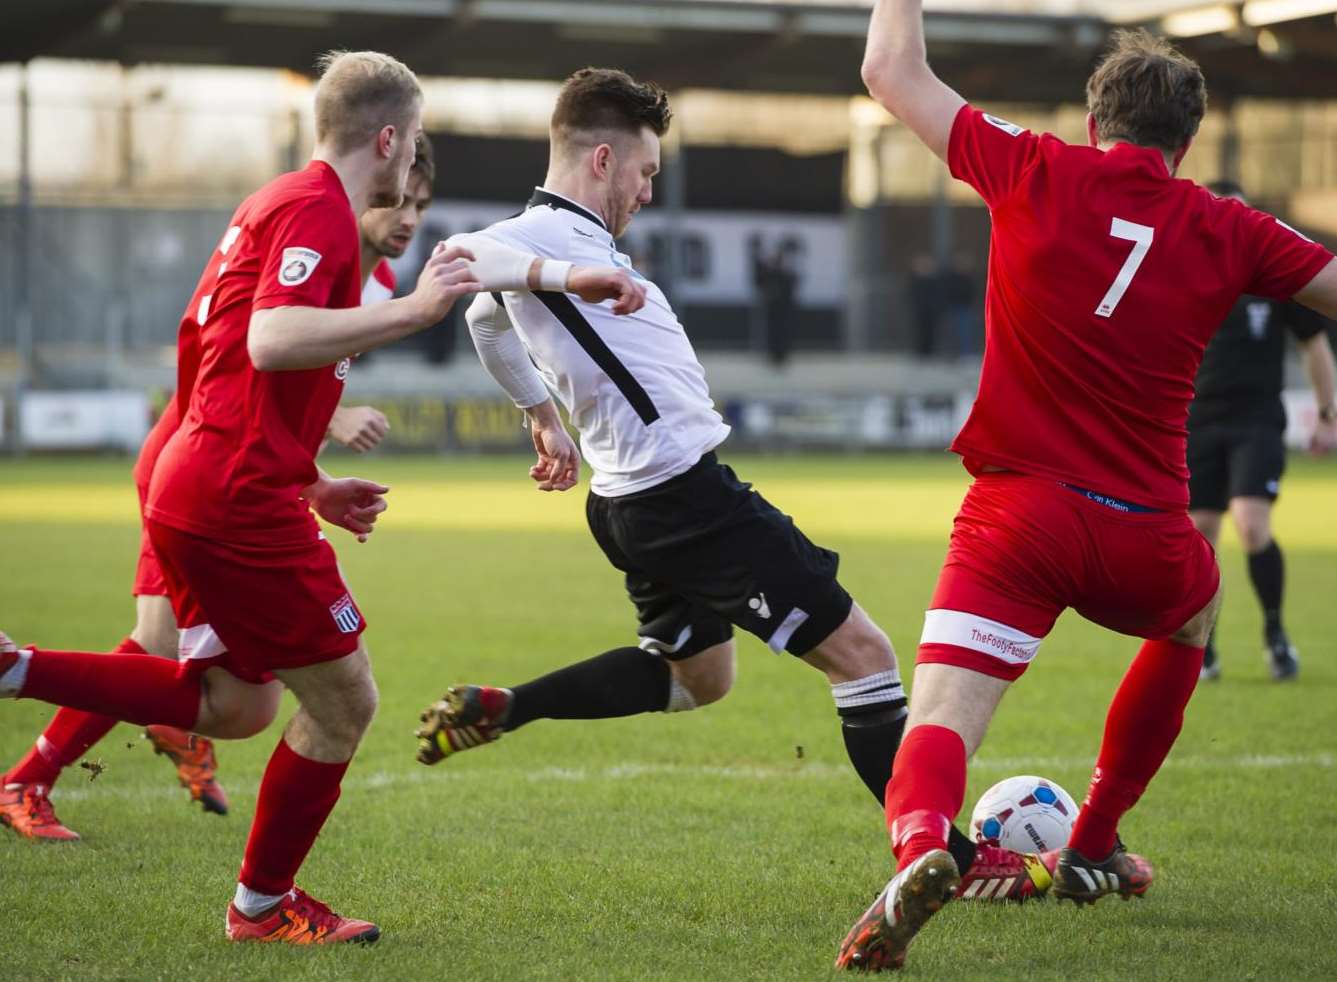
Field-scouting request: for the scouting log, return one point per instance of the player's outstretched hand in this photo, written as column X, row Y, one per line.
column 597, row 284
column 444, row 279
column 558, row 465
column 359, row 428
column 348, row 502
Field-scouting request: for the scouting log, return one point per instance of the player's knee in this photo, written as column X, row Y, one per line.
column 1196, row 632
column 855, row 650
column 702, row 679
column 1255, row 535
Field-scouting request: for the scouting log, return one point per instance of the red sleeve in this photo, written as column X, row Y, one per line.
column 1283, row 260
column 311, row 248
column 990, row 154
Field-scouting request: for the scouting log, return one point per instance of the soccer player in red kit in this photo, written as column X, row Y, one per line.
column 1107, row 277
column 25, row 804
column 255, row 586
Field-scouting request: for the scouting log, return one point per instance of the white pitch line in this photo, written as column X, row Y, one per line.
column 631, row 771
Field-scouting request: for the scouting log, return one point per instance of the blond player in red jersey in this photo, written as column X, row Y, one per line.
column 25, row 803
column 255, row 586
column 1107, row 277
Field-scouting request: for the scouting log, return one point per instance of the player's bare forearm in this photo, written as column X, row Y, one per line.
column 544, row 416
column 896, row 71
column 1321, row 369
column 291, row 338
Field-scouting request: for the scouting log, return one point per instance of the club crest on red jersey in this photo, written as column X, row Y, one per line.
column 1011, row 129
column 341, row 369
column 345, row 615
column 297, row 265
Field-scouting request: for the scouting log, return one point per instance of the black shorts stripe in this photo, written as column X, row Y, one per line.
column 561, row 307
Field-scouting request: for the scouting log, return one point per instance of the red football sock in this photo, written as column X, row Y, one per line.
column 927, row 787
column 296, row 796
column 1143, row 722
column 135, row 688
column 67, row 737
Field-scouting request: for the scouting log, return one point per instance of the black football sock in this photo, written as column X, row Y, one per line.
column 1267, row 573
column 872, row 734
column 871, row 740
column 621, row 682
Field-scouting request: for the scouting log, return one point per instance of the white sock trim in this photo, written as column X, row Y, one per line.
column 252, row 903
column 680, row 698
column 878, row 687
column 12, row 682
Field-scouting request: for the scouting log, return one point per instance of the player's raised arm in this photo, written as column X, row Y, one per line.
column 896, row 71
column 292, row 338
column 502, row 267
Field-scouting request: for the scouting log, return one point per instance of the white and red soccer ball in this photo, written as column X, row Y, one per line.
column 1024, row 814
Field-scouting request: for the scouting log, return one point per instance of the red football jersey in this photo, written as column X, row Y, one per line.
column 1107, row 277
column 248, row 439
column 380, row 284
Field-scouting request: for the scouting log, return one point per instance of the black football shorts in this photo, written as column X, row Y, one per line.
column 703, row 552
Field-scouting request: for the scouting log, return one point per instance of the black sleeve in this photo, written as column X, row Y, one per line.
column 1303, row 322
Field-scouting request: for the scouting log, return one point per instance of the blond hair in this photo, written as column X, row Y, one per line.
column 360, row 92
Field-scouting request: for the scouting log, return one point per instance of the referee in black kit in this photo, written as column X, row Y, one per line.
column 1235, row 451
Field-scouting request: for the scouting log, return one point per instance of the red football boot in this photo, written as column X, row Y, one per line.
column 1001, row 874
column 299, row 919
column 880, row 938
column 27, row 810
column 196, row 765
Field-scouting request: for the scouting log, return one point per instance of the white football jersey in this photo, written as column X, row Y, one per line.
column 632, row 384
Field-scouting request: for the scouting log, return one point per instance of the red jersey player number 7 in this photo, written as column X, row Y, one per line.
column 1107, row 277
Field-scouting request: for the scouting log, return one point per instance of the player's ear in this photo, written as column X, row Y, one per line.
column 385, row 142
column 602, row 161
column 1092, row 130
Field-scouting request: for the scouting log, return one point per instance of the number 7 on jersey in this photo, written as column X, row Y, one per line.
column 1140, row 236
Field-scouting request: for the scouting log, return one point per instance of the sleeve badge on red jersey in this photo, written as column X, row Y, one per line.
column 1011, row 129
column 297, row 266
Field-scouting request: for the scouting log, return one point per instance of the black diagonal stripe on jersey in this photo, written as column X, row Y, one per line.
column 561, row 307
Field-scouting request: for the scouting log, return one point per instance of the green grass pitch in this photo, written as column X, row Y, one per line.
column 728, row 843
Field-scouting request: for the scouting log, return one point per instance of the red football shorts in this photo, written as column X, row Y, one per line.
column 149, row 580
column 256, row 609
column 1024, row 549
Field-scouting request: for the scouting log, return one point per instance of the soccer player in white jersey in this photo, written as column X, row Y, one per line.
column 701, row 551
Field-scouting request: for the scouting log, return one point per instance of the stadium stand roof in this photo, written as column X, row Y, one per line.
column 809, row 46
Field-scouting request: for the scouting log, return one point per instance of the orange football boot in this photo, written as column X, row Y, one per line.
column 27, row 810
column 299, row 919
column 196, row 765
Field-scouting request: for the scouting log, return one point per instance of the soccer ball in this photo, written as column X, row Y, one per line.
column 1024, row 814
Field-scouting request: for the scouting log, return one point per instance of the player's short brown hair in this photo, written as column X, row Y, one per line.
column 1145, row 91
column 598, row 101
column 424, row 161
column 358, row 93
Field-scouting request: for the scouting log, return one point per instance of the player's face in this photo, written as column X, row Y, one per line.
column 390, row 230
column 629, row 187
column 392, row 179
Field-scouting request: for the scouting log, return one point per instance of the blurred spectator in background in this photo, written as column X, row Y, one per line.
column 775, row 276
column 958, row 300
column 925, row 289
